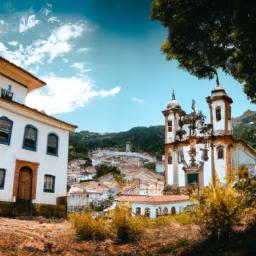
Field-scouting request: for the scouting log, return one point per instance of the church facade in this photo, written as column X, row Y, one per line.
column 197, row 153
column 33, row 145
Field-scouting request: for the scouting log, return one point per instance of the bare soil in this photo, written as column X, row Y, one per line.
column 49, row 237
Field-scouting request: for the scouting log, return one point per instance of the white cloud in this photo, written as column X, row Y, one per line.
column 28, row 24
column 64, row 95
column 137, row 100
column 53, row 19
column 13, row 43
column 80, row 67
column 2, row 47
column 57, row 44
column 83, row 50
column 3, row 27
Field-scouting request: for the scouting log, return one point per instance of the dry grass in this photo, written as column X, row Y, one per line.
column 34, row 237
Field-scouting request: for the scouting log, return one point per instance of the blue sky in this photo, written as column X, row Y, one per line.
column 102, row 62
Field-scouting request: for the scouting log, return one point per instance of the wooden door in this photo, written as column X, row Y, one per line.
column 25, row 184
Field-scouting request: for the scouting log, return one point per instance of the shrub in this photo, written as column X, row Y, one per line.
column 185, row 218
column 104, row 169
column 150, row 166
column 246, row 186
column 89, row 228
column 217, row 210
column 127, row 227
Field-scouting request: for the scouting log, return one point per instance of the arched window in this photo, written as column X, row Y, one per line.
column 147, row 212
column 157, row 212
column 52, row 144
column 30, row 138
column 220, row 152
column 218, row 113
column 138, row 211
column 5, row 130
column 165, row 211
column 173, row 210
column 169, row 159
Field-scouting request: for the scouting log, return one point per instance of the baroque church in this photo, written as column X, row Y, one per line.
column 197, row 153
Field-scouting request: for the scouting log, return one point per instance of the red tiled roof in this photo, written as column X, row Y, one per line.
column 153, row 199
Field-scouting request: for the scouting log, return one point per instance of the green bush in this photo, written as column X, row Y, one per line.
column 127, row 227
column 150, row 166
column 89, row 228
column 185, row 218
column 217, row 210
column 246, row 186
column 104, row 169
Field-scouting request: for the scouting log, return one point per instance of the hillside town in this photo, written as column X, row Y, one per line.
column 194, row 153
column 107, row 150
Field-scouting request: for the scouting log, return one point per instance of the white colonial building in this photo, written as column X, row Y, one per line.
column 195, row 152
column 33, row 145
column 155, row 206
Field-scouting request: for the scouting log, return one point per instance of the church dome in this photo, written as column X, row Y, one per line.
column 173, row 103
column 218, row 91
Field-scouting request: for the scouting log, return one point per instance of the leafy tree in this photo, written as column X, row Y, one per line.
column 204, row 36
column 150, row 166
column 104, row 169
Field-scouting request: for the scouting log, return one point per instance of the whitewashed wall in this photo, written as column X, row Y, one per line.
column 179, row 207
column 220, row 166
column 52, row 165
column 20, row 92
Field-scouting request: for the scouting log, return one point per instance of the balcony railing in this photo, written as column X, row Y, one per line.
column 5, row 94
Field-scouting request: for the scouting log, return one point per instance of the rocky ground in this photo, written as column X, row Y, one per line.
column 44, row 237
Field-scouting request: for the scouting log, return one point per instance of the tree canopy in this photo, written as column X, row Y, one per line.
column 205, row 35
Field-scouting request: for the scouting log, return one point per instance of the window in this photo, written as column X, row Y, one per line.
column 5, row 130
column 52, row 144
column 138, row 211
column 7, row 94
column 169, row 159
column 30, row 138
column 229, row 112
column 147, row 212
column 218, row 113
column 2, row 178
column 169, row 126
column 49, row 183
column 220, row 152
column 165, row 211
column 173, row 210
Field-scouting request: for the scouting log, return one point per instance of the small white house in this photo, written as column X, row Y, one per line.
column 80, row 197
column 147, row 187
column 33, row 145
column 155, row 206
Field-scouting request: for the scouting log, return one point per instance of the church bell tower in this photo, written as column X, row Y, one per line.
column 220, row 111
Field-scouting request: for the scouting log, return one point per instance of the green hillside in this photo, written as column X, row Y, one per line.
column 142, row 139
column 149, row 139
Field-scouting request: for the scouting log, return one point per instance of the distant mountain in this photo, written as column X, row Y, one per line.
column 244, row 127
column 150, row 139
column 248, row 117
